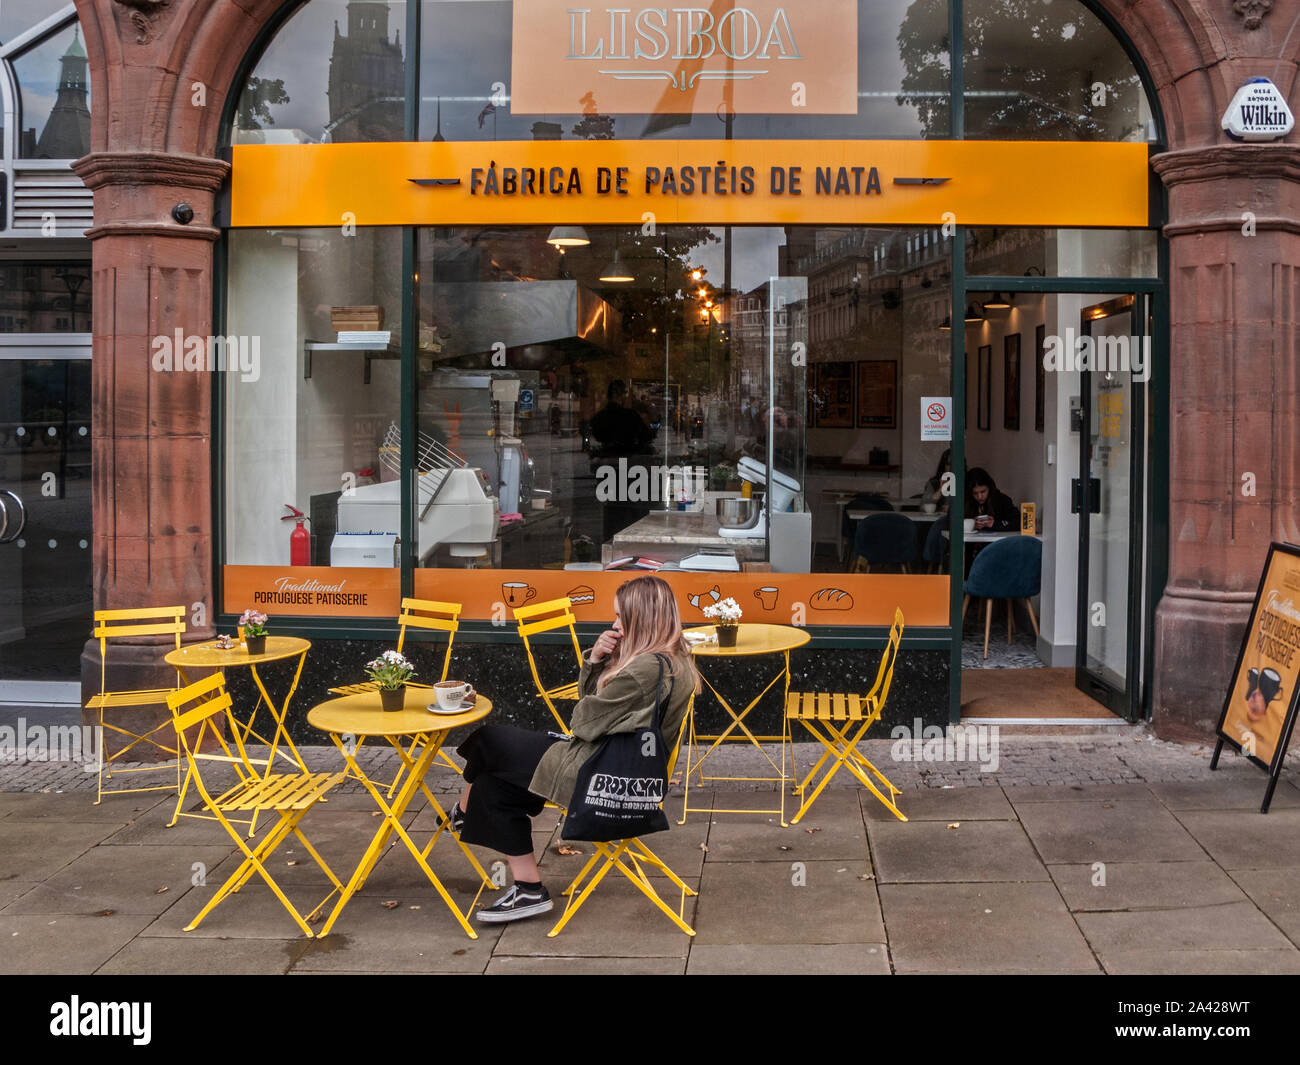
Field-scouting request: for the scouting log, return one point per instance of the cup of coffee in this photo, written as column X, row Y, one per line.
column 517, row 593
column 968, row 524
column 767, row 596
column 928, row 508
column 452, row 694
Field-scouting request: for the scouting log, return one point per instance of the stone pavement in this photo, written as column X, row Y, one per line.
column 1112, row 853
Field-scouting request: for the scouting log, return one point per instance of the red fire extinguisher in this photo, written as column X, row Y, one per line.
column 299, row 539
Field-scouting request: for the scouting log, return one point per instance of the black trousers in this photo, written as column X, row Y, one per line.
column 500, row 761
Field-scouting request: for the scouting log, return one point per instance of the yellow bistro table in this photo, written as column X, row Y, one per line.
column 350, row 721
column 198, row 658
column 751, row 640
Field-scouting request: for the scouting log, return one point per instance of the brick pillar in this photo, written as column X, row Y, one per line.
column 152, row 437
column 1235, row 312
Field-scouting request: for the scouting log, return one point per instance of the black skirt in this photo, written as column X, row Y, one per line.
column 500, row 761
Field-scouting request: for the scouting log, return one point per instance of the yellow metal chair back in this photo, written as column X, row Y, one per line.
column 432, row 616
column 131, row 624
column 551, row 616
column 199, row 711
column 633, row 859
column 885, row 674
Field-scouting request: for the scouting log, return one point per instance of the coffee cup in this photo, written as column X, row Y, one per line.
column 452, row 694
column 517, row 593
column 968, row 525
column 929, row 508
column 767, row 596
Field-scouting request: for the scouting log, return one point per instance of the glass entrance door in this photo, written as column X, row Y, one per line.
column 45, row 517
column 1115, row 335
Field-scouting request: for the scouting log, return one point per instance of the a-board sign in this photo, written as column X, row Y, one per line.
column 1259, row 711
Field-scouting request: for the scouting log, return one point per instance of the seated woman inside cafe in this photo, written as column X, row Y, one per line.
column 992, row 510
column 510, row 772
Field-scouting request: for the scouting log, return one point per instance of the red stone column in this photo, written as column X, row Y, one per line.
column 152, row 429
column 1235, row 315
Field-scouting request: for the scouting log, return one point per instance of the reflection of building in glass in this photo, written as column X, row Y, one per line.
column 67, row 131
column 44, row 298
column 366, row 98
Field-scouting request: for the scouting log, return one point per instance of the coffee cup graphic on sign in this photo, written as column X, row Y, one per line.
column 517, row 593
column 767, row 596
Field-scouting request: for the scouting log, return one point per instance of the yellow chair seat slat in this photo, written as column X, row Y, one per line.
column 568, row 691
column 826, row 706
column 157, row 696
column 839, row 707
column 280, row 791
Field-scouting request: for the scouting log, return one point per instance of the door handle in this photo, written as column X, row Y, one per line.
column 5, row 536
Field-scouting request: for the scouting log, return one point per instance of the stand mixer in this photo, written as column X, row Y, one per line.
column 784, row 489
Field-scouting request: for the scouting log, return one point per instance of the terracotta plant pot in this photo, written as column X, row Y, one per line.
column 256, row 644
column 393, row 698
column 727, row 635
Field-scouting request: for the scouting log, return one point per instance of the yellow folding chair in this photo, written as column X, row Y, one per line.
column 196, row 710
column 432, row 616
column 550, row 616
column 112, row 625
column 839, row 720
column 633, row 859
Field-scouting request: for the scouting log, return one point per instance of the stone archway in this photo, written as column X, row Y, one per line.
column 160, row 70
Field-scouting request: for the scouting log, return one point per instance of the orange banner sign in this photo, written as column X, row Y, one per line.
column 759, row 57
column 704, row 182
column 313, row 591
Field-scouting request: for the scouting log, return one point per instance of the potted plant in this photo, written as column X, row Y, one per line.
column 583, row 548
column 390, row 672
column 253, row 623
column 726, row 616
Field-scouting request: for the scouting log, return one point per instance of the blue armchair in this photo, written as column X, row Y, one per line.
column 1007, row 569
column 885, row 539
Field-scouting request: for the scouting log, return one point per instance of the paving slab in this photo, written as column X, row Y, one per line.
column 1144, row 885
column 1223, row 793
column 1202, row 963
column 509, row 965
column 35, row 851
column 14, row 889
column 931, row 852
column 251, row 913
column 814, row 902
column 1246, row 839
column 1021, row 794
column 982, row 928
column 832, row 831
column 80, row 806
column 941, row 804
column 35, row 944
column 144, row 880
column 616, row 920
column 199, row 957
column 1234, row 926
column 743, row 959
column 370, row 938
column 1118, row 831
column 1277, row 893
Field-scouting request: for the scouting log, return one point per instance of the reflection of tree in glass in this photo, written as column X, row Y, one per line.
column 659, row 298
column 1031, row 71
column 256, row 100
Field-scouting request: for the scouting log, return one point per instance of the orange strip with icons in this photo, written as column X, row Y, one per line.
column 785, row 598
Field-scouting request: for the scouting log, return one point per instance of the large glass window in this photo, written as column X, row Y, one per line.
column 54, row 89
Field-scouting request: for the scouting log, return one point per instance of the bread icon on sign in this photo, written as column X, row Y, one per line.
column 831, row 599
column 713, row 594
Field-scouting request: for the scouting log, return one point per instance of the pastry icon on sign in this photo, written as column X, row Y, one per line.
column 831, row 599
column 581, row 595
column 713, row 594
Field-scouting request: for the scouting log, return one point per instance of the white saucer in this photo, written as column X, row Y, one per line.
column 434, row 708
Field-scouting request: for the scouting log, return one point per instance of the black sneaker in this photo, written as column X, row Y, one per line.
column 456, row 816
column 516, row 904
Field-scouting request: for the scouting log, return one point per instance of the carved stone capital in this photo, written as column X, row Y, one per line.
column 143, row 15
column 1252, row 11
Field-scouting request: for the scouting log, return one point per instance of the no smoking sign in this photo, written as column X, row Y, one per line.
column 936, row 417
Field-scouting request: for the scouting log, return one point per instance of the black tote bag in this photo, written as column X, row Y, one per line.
column 621, row 786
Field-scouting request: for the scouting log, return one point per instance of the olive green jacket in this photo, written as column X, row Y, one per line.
column 626, row 704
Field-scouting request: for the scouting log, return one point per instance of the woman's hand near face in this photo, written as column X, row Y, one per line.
column 605, row 644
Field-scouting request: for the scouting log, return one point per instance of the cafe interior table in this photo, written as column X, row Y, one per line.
column 350, row 721
column 199, row 658
column 751, row 640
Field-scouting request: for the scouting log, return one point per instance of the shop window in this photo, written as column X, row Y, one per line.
column 50, row 297
column 334, row 73
column 1016, row 252
column 54, row 90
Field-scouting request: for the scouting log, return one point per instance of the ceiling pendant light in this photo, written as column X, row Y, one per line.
column 568, row 237
column 997, row 303
column 946, row 324
column 616, row 272
column 974, row 314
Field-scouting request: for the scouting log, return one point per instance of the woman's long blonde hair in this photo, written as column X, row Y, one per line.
column 652, row 624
